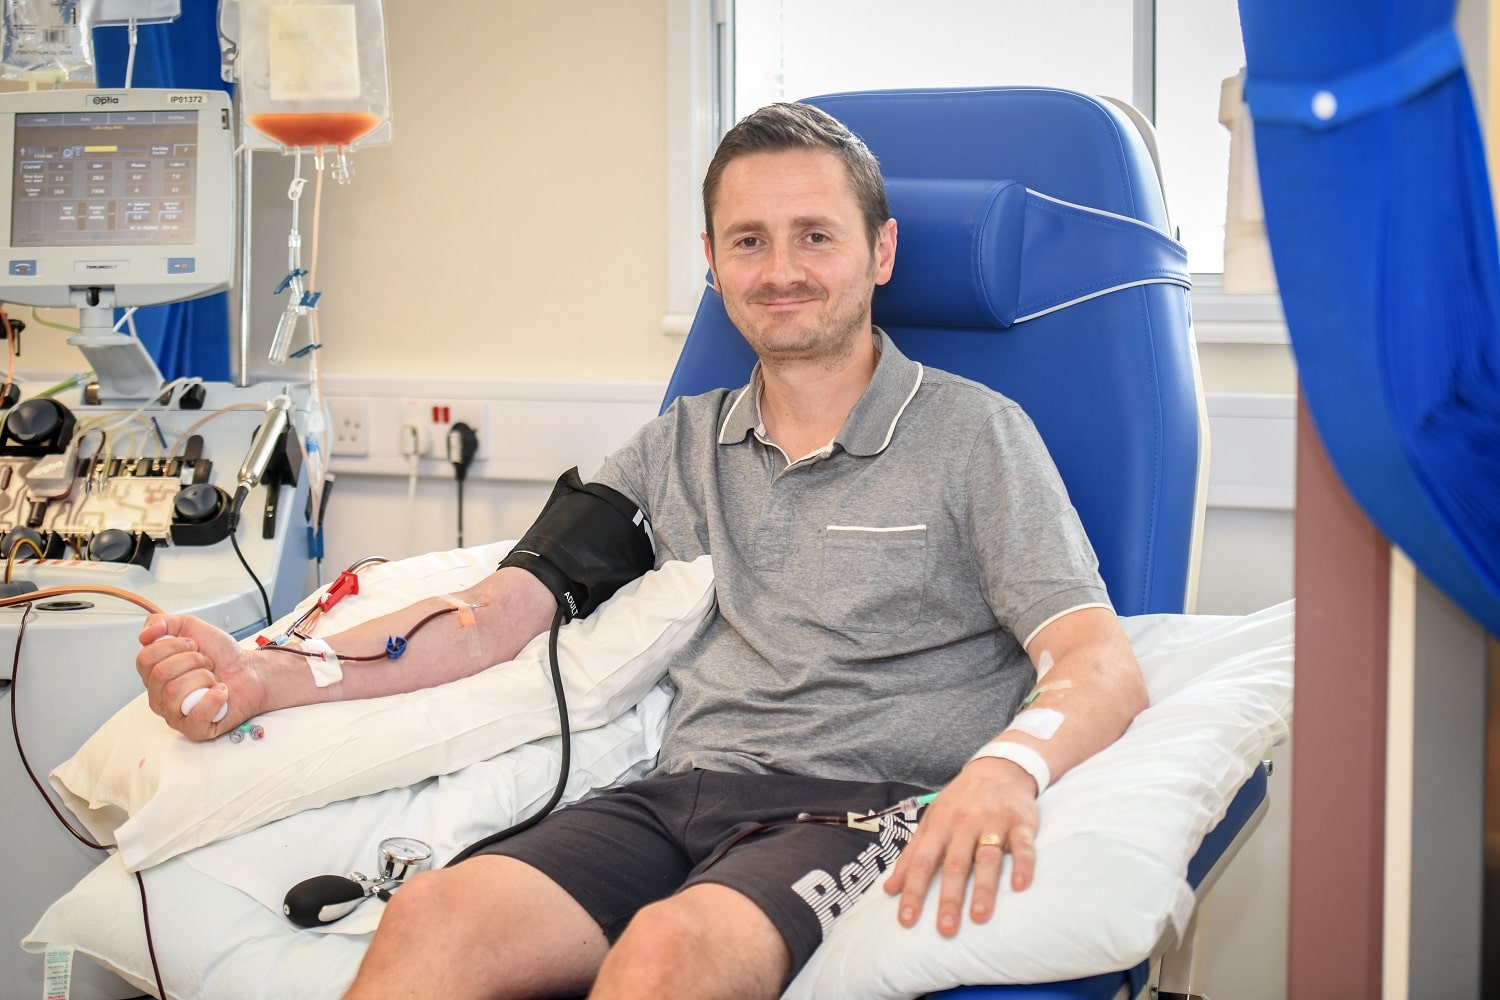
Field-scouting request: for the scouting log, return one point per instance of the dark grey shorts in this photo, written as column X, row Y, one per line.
column 621, row 850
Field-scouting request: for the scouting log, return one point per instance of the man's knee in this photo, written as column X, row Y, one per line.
column 428, row 901
column 663, row 929
column 704, row 934
column 659, row 943
column 492, row 926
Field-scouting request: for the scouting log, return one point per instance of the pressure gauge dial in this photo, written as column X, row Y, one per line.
column 399, row 856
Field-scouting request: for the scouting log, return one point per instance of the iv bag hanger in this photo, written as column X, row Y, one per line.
column 125, row 371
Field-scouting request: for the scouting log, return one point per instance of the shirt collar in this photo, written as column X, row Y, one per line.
column 870, row 424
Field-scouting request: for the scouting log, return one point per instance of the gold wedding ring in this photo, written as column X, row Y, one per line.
column 990, row 840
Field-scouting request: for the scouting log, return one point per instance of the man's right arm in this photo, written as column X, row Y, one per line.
column 588, row 541
column 181, row 654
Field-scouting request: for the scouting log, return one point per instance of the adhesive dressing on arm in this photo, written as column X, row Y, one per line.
column 323, row 662
column 1041, row 723
column 466, row 621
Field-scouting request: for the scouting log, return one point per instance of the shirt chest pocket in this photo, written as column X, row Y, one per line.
column 873, row 577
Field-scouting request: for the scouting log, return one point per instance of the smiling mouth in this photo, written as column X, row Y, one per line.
column 788, row 298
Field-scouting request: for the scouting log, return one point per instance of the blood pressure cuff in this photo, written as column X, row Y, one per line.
column 587, row 543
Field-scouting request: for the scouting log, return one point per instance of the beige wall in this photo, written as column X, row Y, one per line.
column 515, row 227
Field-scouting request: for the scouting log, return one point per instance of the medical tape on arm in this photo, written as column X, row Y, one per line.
column 1042, row 689
column 1022, row 756
column 323, row 662
column 1041, row 723
column 466, row 621
column 1038, row 723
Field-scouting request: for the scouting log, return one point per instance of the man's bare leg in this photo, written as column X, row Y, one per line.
column 707, row 941
column 488, row 928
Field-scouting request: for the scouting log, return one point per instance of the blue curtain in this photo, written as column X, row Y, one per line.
column 185, row 338
column 1380, row 219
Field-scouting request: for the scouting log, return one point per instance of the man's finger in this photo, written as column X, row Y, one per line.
column 914, row 890
column 957, row 863
column 1022, row 848
column 989, row 855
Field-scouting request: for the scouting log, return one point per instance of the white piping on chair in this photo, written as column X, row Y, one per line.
column 1102, row 291
column 1099, row 211
column 1200, row 493
column 1113, row 288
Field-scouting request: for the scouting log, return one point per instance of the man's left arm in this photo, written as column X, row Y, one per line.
column 1089, row 688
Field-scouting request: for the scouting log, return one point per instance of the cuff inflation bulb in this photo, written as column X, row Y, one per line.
column 323, row 899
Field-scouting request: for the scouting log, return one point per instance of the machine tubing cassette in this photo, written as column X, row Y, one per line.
column 65, row 494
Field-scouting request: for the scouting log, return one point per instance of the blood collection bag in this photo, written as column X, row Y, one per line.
column 313, row 75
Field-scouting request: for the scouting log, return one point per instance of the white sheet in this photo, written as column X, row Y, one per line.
column 1115, row 837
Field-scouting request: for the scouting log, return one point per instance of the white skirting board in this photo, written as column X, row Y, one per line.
column 533, row 429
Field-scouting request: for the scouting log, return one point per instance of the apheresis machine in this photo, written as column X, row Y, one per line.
column 120, row 492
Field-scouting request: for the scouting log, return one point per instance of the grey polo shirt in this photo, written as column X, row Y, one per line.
column 873, row 596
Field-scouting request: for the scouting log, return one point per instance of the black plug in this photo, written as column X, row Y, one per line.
column 463, row 443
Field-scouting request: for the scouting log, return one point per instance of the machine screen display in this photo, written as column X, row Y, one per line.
column 100, row 178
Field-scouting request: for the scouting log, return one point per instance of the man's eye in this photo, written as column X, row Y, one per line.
column 817, row 237
column 748, row 242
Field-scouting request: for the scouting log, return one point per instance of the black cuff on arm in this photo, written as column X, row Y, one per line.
column 587, row 543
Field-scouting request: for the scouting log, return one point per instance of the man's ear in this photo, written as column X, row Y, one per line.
column 885, row 251
column 708, row 252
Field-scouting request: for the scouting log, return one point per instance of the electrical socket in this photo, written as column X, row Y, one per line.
column 414, row 441
column 435, row 416
column 350, row 433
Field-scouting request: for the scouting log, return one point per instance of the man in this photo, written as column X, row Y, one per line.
column 890, row 546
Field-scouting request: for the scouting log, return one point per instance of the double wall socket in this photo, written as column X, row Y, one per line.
column 433, row 418
column 349, row 433
column 375, row 428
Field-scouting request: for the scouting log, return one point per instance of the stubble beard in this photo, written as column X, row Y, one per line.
column 825, row 344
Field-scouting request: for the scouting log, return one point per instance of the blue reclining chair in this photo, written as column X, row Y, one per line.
column 1035, row 255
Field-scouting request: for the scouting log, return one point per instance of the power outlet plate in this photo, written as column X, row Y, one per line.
column 435, row 416
column 350, row 430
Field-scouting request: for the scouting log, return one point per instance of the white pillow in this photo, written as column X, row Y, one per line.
column 139, row 784
column 1115, row 835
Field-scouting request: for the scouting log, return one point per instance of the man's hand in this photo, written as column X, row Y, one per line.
column 988, row 811
column 180, row 654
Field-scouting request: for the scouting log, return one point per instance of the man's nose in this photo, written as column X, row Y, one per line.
column 783, row 267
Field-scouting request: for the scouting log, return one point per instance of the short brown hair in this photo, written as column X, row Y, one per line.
column 779, row 127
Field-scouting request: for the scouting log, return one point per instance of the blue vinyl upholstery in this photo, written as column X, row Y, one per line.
column 975, row 175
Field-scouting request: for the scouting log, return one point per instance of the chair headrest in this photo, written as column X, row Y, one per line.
column 988, row 254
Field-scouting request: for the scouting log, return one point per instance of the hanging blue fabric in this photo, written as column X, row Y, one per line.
column 1380, row 219
column 185, row 338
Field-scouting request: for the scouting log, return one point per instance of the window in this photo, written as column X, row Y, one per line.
column 1166, row 57
column 789, row 49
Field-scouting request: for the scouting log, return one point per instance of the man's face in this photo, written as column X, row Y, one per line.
column 791, row 256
